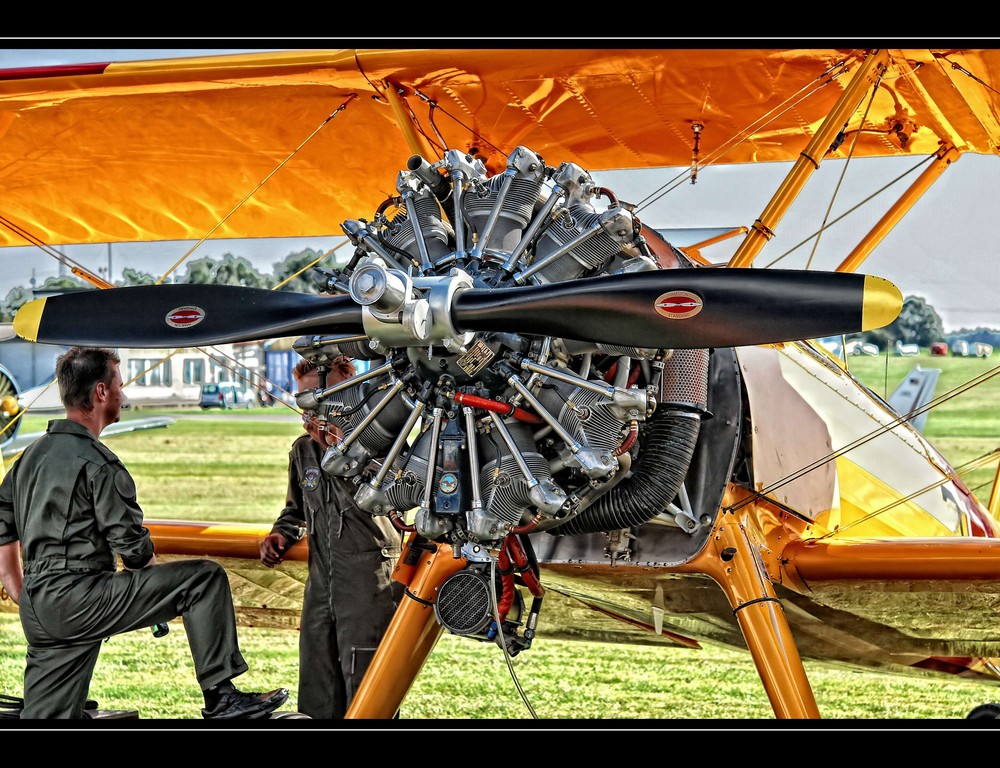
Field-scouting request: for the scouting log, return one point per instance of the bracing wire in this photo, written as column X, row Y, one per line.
column 843, row 173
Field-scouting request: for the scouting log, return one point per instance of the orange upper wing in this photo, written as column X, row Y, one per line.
column 291, row 144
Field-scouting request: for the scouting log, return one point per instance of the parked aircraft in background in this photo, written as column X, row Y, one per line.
column 858, row 347
column 915, row 392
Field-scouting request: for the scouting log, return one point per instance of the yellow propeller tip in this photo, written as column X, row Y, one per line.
column 882, row 303
column 27, row 319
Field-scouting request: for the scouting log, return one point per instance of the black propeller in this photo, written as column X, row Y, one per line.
column 179, row 315
column 687, row 308
column 677, row 308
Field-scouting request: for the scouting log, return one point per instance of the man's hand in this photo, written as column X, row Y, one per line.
column 10, row 571
column 272, row 548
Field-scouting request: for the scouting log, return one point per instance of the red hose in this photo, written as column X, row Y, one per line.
column 633, row 433
column 497, row 407
column 513, row 548
column 507, row 581
column 604, row 191
column 397, row 520
column 529, row 526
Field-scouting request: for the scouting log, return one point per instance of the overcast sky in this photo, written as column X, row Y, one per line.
column 944, row 250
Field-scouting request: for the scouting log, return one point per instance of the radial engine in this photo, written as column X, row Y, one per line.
column 478, row 438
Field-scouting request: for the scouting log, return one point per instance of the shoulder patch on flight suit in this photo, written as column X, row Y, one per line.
column 124, row 483
column 310, row 478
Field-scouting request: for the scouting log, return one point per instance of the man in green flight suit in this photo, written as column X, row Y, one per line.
column 72, row 505
column 350, row 594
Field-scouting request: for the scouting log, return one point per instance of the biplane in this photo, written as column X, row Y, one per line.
column 584, row 431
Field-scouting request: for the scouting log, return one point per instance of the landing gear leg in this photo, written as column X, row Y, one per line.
column 733, row 559
column 410, row 638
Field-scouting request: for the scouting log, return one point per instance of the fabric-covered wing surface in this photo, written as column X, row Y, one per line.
column 290, row 144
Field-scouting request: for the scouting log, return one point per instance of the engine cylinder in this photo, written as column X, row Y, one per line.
column 585, row 415
column 356, row 403
column 435, row 230
column 513, row 216
column 407, row 490
column 505, row 489
column 592, row 254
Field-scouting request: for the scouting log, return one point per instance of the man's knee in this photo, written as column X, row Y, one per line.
column 201, row 579
column 201, row 569
column 57, row 679
column 214, row 570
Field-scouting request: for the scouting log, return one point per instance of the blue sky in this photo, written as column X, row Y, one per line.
column 944, row 250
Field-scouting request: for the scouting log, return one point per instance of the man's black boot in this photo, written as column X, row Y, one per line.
column 225, row 702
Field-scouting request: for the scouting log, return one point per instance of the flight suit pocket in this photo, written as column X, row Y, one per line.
column 361, row 659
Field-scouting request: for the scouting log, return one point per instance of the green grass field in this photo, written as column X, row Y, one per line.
column 231, row 467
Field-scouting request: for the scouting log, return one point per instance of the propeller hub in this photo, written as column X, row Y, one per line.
column 385, row 291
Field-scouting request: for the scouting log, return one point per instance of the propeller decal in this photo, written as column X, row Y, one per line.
column 185, row 317
column 677, row 305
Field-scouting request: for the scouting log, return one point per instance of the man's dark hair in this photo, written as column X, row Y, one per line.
column 79, row 369
column 340, row 369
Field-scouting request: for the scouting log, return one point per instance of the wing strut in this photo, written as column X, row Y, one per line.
column 412, row 633
column 994, row 504
column 809, row 160
column 417, row 143
column 945, row 157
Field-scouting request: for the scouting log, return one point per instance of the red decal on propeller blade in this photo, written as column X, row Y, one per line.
column 185, row 317
column 677, row 305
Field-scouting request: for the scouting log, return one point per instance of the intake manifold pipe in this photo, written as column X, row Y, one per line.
column 670, row 439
